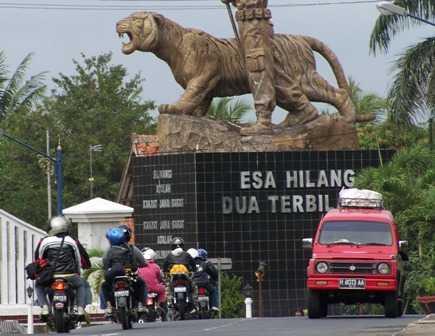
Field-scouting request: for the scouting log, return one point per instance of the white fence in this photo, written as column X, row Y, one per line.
column 18, row 241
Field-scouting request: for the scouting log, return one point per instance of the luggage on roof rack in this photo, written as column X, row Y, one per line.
column 360, row 198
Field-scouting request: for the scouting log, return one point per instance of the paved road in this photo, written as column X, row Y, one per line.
column 292, row 326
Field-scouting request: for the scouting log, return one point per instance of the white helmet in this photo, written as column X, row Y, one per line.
column 150, row 254
column 193, row 253
column 59, row 224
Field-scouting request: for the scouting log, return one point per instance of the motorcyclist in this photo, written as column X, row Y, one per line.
column 206, row 275
column 120, row 256
column 68, row 260
column 178, row 256
column 152, row 275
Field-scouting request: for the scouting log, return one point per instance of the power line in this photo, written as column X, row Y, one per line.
column 117, row 7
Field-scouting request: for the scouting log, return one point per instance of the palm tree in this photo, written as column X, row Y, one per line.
column 368, row 103
column 16, row 93
column 413, row 69
column 228, row 109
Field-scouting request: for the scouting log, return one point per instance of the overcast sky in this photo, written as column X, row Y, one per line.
column 56, row 36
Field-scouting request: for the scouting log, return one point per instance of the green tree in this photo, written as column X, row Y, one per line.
column 229, row 109
column 413, row 69
column 366, row 103
column 98, row 104
column 407, row 184
column 16, row 93
column 232, row 299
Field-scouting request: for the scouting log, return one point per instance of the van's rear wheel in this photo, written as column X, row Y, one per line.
column 392, row 305
column 317, row 305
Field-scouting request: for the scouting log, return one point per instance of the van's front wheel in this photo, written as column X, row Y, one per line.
column 317, row 305
column 392, row 305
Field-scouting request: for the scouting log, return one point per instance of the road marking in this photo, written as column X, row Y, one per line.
column 221, row 326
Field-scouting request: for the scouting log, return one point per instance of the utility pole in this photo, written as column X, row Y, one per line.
column 57, row 161
column 431, row 146
column 92, row 148
column 49, row 196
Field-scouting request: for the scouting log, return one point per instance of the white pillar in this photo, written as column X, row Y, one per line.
column 248, row 304
column 20, row 266
column 12, row 263
column 4, row 261
column 29, row 257
column 30, row 318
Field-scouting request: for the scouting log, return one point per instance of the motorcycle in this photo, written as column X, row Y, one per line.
column 153, row 309
column 62, row 316
column 203, row 303
column 181, row 302
column 125, row 303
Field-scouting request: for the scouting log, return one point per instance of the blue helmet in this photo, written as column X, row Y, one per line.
column 115, row 236
column 202, row 253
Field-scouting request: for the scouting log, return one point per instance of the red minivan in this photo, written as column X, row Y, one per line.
column 357, row 257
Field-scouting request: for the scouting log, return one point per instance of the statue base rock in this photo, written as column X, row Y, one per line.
column 183, row 133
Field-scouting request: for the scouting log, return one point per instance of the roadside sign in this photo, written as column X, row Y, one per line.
column 223, row 264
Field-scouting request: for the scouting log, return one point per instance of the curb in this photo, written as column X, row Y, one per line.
column 422, row 327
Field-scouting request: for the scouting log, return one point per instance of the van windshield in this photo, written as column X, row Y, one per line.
column 355, row 233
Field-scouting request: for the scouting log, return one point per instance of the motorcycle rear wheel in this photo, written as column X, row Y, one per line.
column 60, row 323
column 124, row 318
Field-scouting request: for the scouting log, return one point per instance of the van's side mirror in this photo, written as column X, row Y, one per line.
column 307, row 243
column 403, row 244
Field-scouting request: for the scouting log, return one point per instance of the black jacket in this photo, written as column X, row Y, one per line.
column 125, row 255
column 179, row 257
column 70, row 259
column 206, row 272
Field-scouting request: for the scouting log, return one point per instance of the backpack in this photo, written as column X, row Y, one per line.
column 122, row 255
column 201, row 277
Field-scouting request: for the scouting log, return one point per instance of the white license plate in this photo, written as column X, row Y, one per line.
column 352, row 283
column 61, row 298
column 122, row 293
column 202, row 298
column 180, row 289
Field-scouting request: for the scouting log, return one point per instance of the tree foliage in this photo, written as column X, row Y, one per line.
column 17, row 93
column 228, row 109
column 232, row 299
column 408, row 186
column 414, row 68
column 98, row 104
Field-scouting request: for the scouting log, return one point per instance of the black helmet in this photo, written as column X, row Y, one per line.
column 177, row 242
column 127, row 232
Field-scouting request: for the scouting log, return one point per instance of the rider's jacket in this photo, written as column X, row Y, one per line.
column 206, row 272
column 125, row 255
column 179, row 256
column 70, row 259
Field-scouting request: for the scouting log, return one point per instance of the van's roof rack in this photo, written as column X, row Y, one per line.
column 360, row 198
column 371, row 203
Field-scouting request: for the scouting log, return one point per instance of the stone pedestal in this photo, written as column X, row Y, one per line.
column 182, row 133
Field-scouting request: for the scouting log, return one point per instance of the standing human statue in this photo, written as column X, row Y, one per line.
column 256, row 33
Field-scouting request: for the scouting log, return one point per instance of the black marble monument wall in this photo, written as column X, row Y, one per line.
column 247, row 207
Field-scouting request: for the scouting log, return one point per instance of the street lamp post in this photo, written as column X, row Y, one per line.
column 57, row 162
column 92, row 148
column 389, row 8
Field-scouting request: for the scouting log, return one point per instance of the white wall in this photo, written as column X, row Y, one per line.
column 93, row 235
column 18, row 241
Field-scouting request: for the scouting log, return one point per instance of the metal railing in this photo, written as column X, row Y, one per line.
column 18, row 240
